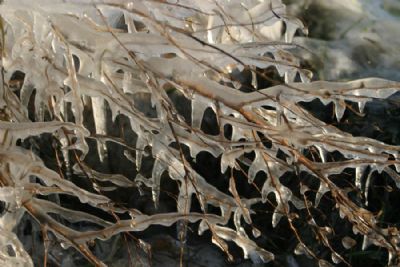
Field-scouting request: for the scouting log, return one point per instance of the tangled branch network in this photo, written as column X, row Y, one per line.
column 190, row 79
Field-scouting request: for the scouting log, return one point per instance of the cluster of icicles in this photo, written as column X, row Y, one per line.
column 80, row 53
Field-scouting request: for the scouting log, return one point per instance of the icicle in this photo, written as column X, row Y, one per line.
column 359, row 174
column 278, row 214
column 213, row 34
column 199, row 105
column 361, row 106
column 340, row 108
column 203, row 226
column 322, row 153
column 249, row 247
column 301, row 249
column 324, row 263
column 254, row 81
column 256, row 233
column 127, row 79
column 129, row 22
column 366, row 242
column 348, row 242
column 141, row 143
column 323, row 188
column 99, row 115
column 305, row 75
column 257, row 165
column 336, row 258
column 228, row 159
column 158, row 170
column 266, row 189
column 65, row 152
column 303, row 189
column 397, row 165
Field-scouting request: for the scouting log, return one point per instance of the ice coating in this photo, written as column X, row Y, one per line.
column 74, row 62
